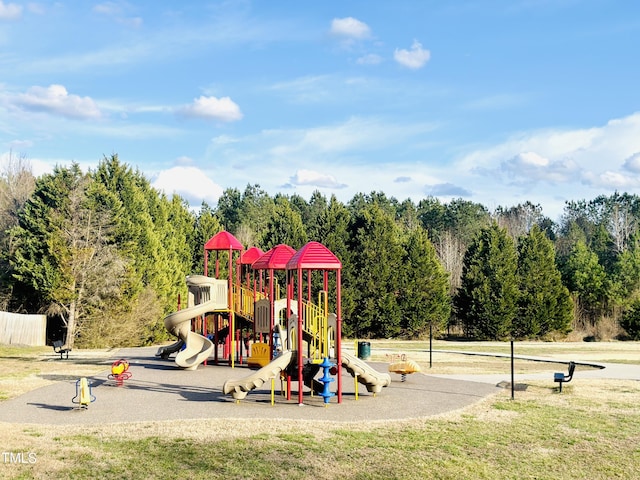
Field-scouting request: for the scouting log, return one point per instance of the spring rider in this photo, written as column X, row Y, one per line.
column 83, row 393
column 119, row 372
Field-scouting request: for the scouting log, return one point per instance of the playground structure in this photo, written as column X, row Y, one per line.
column 295, row 335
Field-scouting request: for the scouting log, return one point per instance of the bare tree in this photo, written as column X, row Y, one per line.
column 96, row 271
column 622, row 225
column 518, row 220
column 450, row 249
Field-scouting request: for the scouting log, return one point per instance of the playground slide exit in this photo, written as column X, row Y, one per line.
column 240, row 388
column 368, row 376
column 197, row 347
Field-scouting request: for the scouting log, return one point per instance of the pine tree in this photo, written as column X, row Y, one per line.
column 377, row 260
column 487, row 298
column 332, row 230
column 586, row 278
column 284, row 226
column 16, row 186
column 424, row 299
column 544, row 304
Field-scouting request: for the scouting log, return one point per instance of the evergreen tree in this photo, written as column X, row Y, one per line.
column 311, row 215
column 17, row 183
column 377, row 257
column 207, row 225
column 432, row 216
column 625, row 279
column 424, row 297
column 229, row 209
column 332, row 230
column 256, row 209
column 587, row 280
column 487, row 298
column 631, row 320
column 465, row 219
column 544, row 303
column 284, row 226
column 156, row 234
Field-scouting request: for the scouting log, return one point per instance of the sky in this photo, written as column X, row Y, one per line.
column 495, row 102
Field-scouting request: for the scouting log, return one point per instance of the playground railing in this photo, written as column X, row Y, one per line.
column 244, row 300
column 316, row 325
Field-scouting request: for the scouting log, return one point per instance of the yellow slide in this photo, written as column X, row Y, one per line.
column 197, row 348
column 240, row 388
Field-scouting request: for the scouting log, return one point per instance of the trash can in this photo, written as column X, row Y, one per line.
column 364, row 350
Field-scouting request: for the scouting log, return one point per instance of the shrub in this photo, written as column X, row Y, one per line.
column 631, row 321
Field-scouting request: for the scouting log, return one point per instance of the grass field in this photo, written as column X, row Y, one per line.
column 591, row 431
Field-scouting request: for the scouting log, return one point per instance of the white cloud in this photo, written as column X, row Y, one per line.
column 191, row 183
column 356, row 134
column 117, row 12
column 446, row 190
column 531, row 159
column 313, row 178
column 613, row 180
column 307, row 89
column 10, row 11
column 529, row 167
column 107, row 8
column 340, row 159
column 36, row 8
column 18, row 145
column 223, row 109
column 369, row 59
column 55, row 99
column 350, row 27
column 553, row 166
column 632, row 163
column 415, row 58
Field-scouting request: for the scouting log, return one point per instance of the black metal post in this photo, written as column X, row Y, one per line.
column 430, row 345
column 513, row 383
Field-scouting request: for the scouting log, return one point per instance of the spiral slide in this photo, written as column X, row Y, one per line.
column 197, row 348
column 368, row 376
column 240, row 388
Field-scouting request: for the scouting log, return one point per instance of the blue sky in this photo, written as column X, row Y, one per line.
column 496, row 102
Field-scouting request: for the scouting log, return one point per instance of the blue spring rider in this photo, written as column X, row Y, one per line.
column 326, row 380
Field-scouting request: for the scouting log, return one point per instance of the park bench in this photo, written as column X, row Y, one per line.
column 561, row 378
column 58, row 347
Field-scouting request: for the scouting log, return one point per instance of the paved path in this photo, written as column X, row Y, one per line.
column 158, row 390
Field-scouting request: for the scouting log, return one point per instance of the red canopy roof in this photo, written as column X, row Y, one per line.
column 316, row 256
column 223, row 241
column 250, row 256
column 275, row 259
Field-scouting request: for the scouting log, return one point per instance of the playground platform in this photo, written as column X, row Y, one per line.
column 158, row 390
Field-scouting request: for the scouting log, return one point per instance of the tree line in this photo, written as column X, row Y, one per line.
column 107, row 254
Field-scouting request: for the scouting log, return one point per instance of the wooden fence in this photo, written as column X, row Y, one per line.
column 18, row 329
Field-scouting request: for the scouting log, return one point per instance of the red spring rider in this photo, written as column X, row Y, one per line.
column 120, row 372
